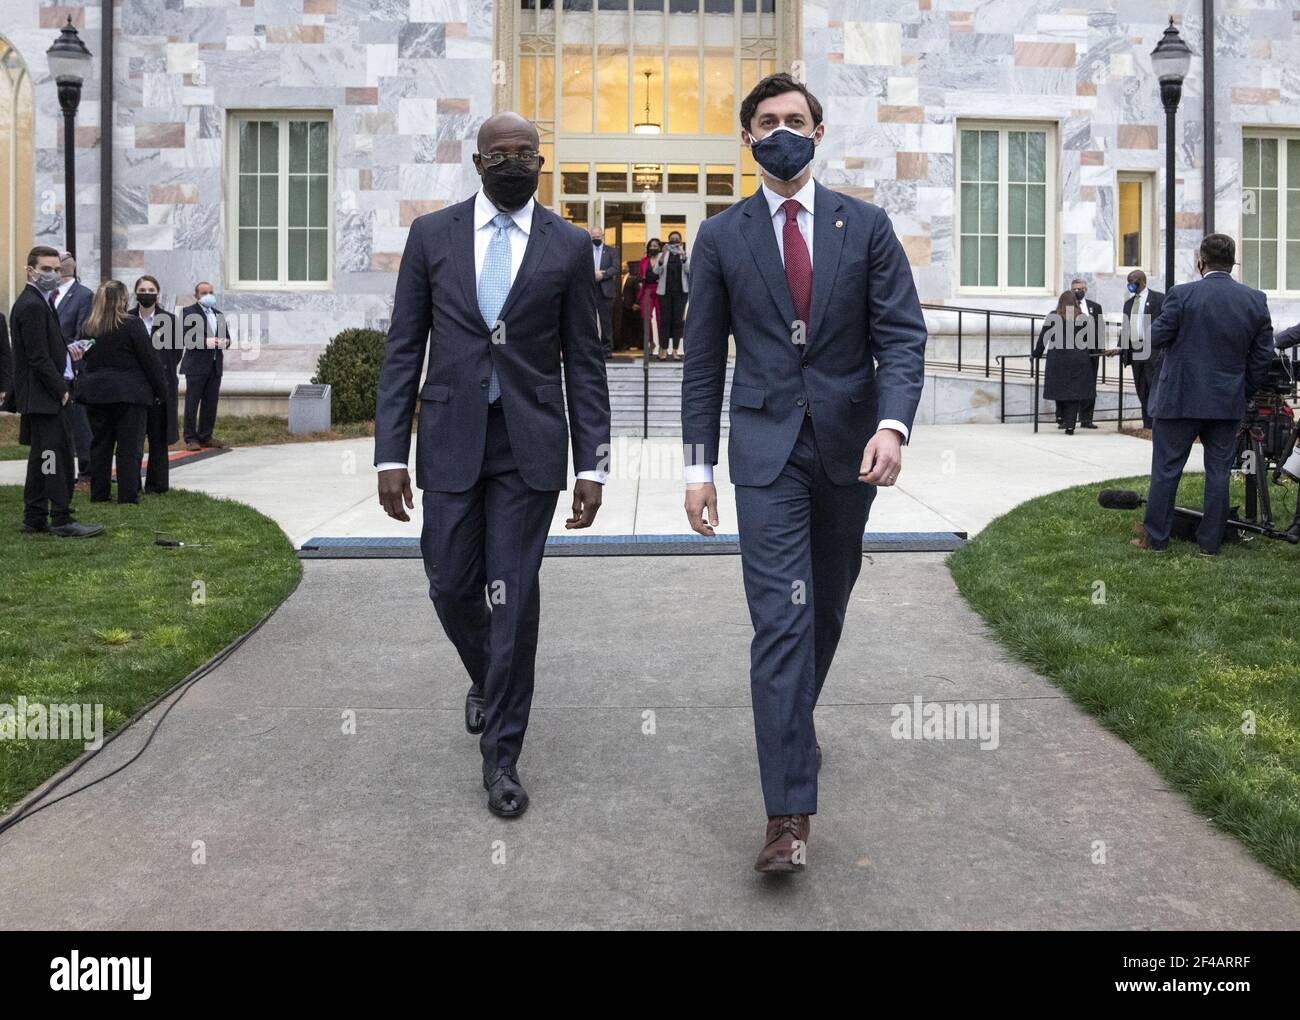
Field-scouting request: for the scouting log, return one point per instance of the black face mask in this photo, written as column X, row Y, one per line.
column 1080, row 294
column 146, row 300
column 509, row 185
column 595, row 242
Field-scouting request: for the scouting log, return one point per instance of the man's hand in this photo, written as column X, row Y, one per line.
column 586, row 501
column 702, row 497
column 394, row 489
column 76, row 352
column 600, row 275
column 882, row 460
column 214, row 342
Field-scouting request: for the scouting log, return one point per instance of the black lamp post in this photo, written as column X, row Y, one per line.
column 69, row 62
column 1170, row 60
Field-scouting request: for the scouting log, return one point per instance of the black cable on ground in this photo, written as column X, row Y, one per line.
column 36, row 803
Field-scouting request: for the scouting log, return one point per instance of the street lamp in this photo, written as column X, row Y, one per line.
column 69, row 62
column 1170, row 60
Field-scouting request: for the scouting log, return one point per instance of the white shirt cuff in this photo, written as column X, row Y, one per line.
column 390, row 465
column 599, row 477
column 893, row 423
column 697, row 473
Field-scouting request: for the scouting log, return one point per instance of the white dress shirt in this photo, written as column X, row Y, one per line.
column 521, row 225
column 60, row 293
column 805, row 196
column 597, row 250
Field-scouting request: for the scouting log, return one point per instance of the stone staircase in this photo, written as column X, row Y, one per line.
column 627, row 393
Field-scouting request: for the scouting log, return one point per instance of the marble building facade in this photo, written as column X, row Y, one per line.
column 404, row 84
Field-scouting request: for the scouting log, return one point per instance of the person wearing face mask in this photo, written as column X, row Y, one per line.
column 42, row 392
column 1093, row 310
column 72, row 301
column 604, row 262
column 1217, row 338
column 648, row 298
column 165, row 338
column 673, row 270
column 205, row 339
column 830, row 360
column 1065, row 338
column 1140, row 310
column 504, row 287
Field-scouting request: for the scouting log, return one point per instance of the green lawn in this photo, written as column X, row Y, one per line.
column 1182, row 648
column 113, row 620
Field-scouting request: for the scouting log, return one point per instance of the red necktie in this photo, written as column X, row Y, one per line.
column 54, row 300
column 798, row 266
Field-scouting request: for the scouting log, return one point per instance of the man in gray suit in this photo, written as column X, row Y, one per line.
column 497, row 291
column 830, row 359
column 604, row 260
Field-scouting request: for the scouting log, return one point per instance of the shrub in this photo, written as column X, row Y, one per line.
column 350, row 365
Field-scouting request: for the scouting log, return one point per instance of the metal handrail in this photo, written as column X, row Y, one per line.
column 1002, row 360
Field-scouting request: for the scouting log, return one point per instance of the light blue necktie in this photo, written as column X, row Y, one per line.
column 494, row 283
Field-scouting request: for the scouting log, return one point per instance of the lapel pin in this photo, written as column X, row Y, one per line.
column 839, row 223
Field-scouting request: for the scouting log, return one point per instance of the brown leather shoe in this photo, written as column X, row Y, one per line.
column 81, row 485
column 785, row 849
column 1143, row 541
column 214, row 444
column 193, row 447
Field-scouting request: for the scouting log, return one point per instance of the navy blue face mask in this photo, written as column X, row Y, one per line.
column 784, row 153
column 1132, row 288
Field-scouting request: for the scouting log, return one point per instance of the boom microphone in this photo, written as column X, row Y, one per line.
column 1120, row 499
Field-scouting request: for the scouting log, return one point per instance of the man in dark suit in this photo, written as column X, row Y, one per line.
column 1140, row 311
column 1080, row 288
column 72, row 301
column 42, row 390
column 1218, row 341
column 166, row 342
column 205, row 341
column 830, row 357
column 605, row 261
column 505, row 288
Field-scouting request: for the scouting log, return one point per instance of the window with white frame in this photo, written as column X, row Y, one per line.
column 1135, row 221
column 1270, row 211
column 1006, row 201
column 280, row 181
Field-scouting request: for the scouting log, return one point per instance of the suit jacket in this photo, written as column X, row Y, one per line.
column 550, row 312
column 40, row 355
column 1067, row 374
column 1289, row 337
column 165, row 339
column 607, row 287
column 1218, row 340
column 122, row 368
column 864, row 353
column 661, row 269
column 73, row 310
column 1153, row 300
column 197, row 358
column 6, row 367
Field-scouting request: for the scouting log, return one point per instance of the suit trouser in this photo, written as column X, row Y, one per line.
column 801, row 552
column 156, row 428
column 1143, row 376
column 201, row 393
column 48, row 488
column 1088, row 408
column 485, row 546
column 82, row 436
column 120, row 428
column 605, row 310
column 1171, row 442
column 1067, row 412
column 672, row 312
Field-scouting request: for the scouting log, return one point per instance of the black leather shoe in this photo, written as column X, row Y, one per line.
column 475, row 720
column 74, row 529
column 1088, row 425
column 506, row 798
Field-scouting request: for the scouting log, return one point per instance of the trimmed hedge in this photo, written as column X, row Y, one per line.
column 350, row 365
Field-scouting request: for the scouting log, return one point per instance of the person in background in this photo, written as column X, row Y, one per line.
column 121, row 380
column 165, row 339
column 72, row 305
column 1093, row 310
column 605, row 262
column 1069, row 378
column 1218, row 340
column 1140, row 311
column 648, row 297
column 630, row 307
column 203, row 327
column 42, row 389
column 674, row 283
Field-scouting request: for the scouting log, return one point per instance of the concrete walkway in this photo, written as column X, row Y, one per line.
column 303, row 825
column 955, row 478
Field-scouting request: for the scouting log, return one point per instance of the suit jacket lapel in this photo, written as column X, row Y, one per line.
column 761, row 238
column 462, row 243
column 828, row 243
column 533, row 254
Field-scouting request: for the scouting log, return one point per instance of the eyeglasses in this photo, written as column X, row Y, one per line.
column 528, row 159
